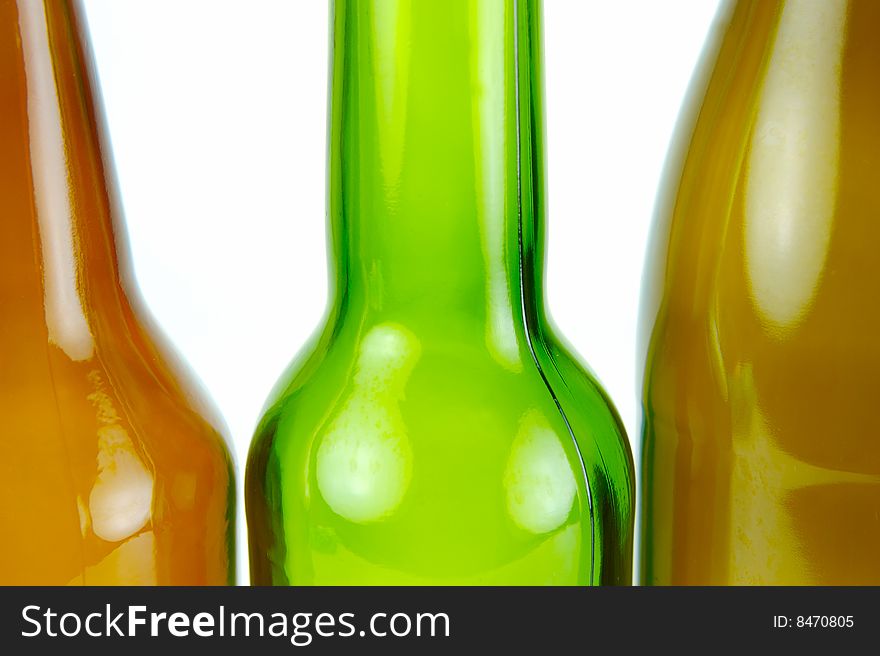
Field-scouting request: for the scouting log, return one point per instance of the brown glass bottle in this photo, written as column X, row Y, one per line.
column 112, row 470
column 761, row 456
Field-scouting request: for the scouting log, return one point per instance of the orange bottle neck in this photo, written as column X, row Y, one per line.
column 59, row 256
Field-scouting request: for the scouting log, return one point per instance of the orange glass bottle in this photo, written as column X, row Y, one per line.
column 112, row 470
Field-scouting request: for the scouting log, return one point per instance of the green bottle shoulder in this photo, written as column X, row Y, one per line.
column 441, row 386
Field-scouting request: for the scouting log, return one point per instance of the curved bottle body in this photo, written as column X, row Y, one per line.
column 436, row 432
column 410, row 458
column 113, row 471
column 761, row 463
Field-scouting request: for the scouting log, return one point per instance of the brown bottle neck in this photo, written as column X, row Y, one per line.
column 58, row 246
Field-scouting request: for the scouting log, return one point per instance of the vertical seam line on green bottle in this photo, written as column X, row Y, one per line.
column 525, row 314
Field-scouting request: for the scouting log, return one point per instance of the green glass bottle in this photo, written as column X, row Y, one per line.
column 437, row 430
column 761, row 456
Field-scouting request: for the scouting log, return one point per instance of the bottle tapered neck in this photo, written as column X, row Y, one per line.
column 57, row 242
column 435, row 164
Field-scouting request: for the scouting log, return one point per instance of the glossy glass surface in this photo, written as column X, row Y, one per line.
column 112, row 471
column 761, row 449
column 436, row 431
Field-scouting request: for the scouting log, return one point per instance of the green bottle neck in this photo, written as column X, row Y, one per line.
column 436, row 171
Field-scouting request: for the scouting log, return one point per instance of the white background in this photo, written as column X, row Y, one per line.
column 216, row 111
